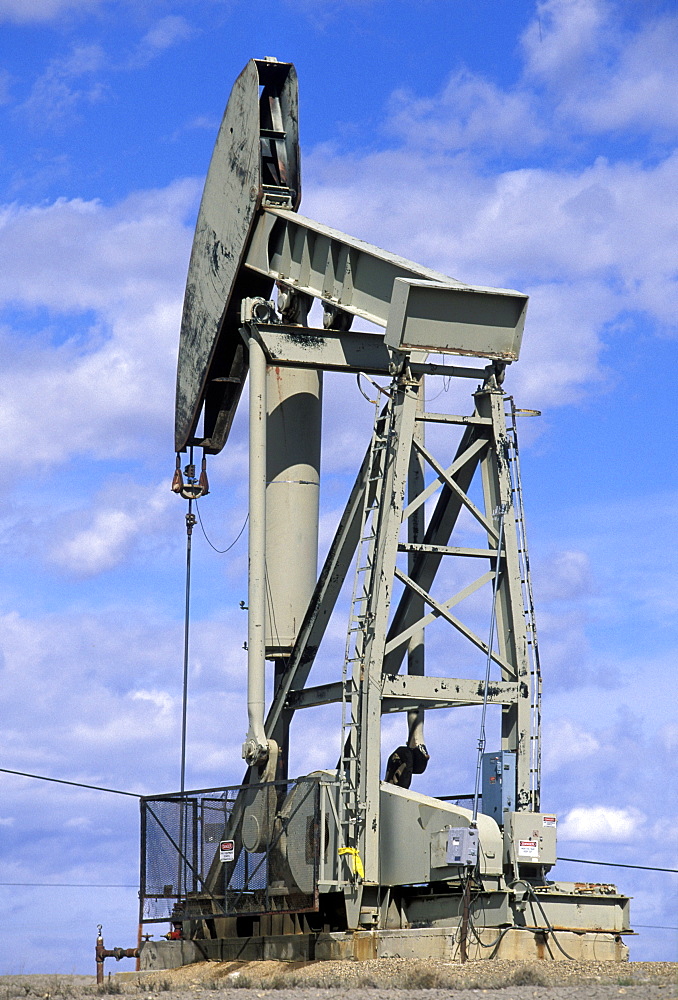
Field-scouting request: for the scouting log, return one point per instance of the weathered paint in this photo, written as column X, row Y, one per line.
column 211, row 350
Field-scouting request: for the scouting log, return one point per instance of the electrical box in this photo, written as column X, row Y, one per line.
column 462, row 846
column 499, row 784
column 530, row 838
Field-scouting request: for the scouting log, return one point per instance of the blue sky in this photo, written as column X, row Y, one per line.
column 529, row 145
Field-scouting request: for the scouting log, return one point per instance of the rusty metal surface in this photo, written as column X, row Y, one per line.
column 102, row 953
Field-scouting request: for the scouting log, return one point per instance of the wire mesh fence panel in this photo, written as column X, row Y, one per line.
column 214, row 819
column 168, row 853
column 241, row 850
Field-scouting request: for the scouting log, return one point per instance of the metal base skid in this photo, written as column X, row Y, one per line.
column 257, row 872
column 416, row 943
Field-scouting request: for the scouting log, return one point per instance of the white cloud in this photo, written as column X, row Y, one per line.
column 565, row 742
column 602, row 74
column 665, row 832
column 97, row 697
column 591, row 245
column 75, row 255
column 159, row 699
column 563, row 36
column 565, row 576
column 471, row 111
column 79, row 823
column 107, row 390
column 604, row 824
column 65, row 85
column 167, row 32
column 643, row 92
column 37, row 11
column 200, row 124
column 669, row 737
column 101, row 546
column 107, row 540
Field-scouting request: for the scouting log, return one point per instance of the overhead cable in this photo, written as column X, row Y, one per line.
column 76, row 784
column 136, row 795
column 75, row 885
column 614, row 864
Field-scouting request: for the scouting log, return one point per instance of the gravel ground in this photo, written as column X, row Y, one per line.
column 372, row 980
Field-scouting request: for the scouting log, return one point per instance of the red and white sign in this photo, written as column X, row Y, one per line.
column 528, row 849
column 227, row 850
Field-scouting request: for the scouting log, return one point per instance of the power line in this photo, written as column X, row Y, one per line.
column 76, row 784
column 76, row 885
column 614, row 864
column 135, row 795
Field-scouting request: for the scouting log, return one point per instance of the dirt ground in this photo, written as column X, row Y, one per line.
column 371, row 980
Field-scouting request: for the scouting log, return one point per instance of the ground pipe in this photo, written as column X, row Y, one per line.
column 116, row 953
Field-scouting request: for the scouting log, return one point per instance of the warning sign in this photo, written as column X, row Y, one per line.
column 528, row 849
column 549, row 820
column 227, row 850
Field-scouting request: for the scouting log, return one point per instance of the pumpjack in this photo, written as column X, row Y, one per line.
column 343, row 862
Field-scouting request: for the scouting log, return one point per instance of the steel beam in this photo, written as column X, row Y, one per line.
column 342, row 351
column 468, row 455
column 454, row 418
column 442, row 611
column 448, row 550
column 428, row 316
column 386, row 289
column 416, row 529
column 310, row 697
column 511, row 625
column 409, row 690
column 438, row 532
column 444, row 477
column 396, row 641
column 367, row 698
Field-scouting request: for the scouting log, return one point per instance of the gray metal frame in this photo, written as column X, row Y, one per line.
column 379, row 636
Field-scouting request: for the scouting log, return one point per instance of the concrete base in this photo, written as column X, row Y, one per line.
column 516, row 944
column 155, row 955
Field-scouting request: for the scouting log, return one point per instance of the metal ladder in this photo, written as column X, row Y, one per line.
column 358, row 633
column 528, row 604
